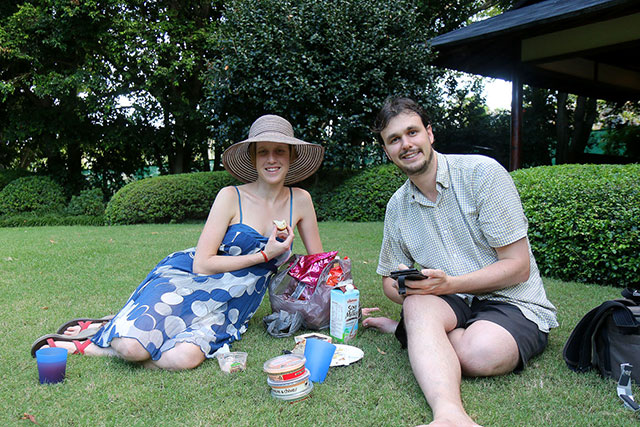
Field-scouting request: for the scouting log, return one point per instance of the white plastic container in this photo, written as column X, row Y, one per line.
column 345, row 306
column 234, row 361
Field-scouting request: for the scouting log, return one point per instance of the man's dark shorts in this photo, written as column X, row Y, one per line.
column 530, row 340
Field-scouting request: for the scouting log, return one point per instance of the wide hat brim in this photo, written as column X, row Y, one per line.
column 237, row 161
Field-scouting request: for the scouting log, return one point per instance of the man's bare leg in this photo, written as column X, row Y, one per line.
column 485, row 349
column 482, row 349
column 428, row 320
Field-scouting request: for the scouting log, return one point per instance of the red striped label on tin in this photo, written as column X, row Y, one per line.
column 295, row 374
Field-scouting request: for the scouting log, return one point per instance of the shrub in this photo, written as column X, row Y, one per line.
column 362, row 197
column 32, row 219
column 583, row 221
column 167, row 198
column 32, row 194
column 8, row 175
column 88, row 202
column 322, row 186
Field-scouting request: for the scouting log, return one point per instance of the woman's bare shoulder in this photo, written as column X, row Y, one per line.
column 227, row 193
column 301, row 194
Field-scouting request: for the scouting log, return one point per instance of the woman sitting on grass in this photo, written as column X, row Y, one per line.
column 197, row 300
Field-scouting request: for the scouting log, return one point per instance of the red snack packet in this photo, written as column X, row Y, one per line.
column 308, row 269
column 335, row 275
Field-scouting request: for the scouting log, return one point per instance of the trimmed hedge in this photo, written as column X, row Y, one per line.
column 167, row 198
column 362, row 197
column 584, row 221
column 48, row 219
column 88, row 202
column 32, row 194
column 8, row 175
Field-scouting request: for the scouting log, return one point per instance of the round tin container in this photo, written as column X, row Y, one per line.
column 292, row 387
column 286, row 367
column 293, row 397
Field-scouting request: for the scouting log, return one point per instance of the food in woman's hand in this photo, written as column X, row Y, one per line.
column 281, row 226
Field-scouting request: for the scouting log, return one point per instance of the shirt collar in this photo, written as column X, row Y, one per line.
column 442, row 175
column 442, row 181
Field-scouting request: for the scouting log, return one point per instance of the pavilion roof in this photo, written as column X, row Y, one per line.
column 588, row 47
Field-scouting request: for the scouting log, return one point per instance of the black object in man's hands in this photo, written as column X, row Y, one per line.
column 401, row 275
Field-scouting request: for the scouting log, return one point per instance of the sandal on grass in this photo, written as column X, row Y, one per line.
column 51, row 339
column 83, row 322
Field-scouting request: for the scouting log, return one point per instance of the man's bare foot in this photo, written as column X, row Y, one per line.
column 366, row 311
column 454, row 422
column 382, row 324
column 452, row 417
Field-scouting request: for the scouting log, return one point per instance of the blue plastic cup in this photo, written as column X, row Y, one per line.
column 52, row 364
column 318, row 354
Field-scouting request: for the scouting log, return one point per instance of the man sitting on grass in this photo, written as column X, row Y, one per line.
column 482, row 310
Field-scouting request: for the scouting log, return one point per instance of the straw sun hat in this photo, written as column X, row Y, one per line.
column 272, row 128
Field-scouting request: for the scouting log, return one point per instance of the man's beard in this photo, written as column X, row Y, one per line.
column 420, row 168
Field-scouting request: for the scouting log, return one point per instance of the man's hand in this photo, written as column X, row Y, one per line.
column 438, row 283
column 511, row 268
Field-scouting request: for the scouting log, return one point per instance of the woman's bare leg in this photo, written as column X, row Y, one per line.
column 90, row 350
column 183, row 356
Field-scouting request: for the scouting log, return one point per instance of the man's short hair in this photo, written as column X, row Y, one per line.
column 394, row 106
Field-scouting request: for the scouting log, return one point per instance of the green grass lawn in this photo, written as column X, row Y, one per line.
column 52, row 274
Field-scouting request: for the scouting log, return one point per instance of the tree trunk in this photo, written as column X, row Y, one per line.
column 584, row 117
column 74, row 167
column 562, row 129
column 176, row 159
column 571, row 144
column 204, row 152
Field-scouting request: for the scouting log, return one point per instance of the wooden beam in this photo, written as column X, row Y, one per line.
column 580, row 39
column 516, row 122
column 596, row 72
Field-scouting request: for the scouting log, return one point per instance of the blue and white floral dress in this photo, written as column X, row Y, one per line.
column 173, row 304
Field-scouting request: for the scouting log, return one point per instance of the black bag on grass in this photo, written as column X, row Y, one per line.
column 607, row 336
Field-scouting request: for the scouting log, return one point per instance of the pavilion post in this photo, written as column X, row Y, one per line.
column 516, row 122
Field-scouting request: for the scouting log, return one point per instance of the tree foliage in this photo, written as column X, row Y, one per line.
column 622, row 122
column 159, row 55
column 66, row 66
column 45, row 52
column 327, row 66
column 58, row 104
column 466, row 127
column 114, row 86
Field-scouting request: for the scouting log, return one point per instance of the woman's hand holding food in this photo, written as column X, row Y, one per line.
column 275, row 247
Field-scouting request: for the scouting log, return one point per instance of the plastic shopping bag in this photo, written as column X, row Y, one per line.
column 304, row 287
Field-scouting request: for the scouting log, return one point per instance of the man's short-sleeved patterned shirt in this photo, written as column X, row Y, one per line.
column 477, row 209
